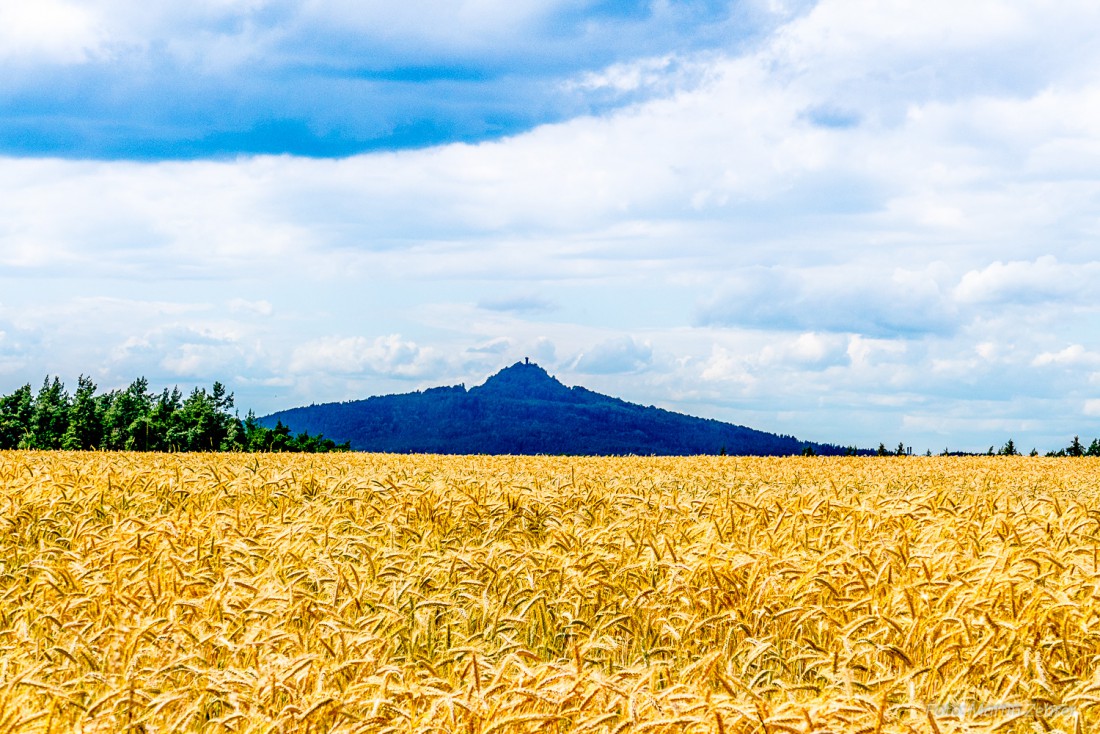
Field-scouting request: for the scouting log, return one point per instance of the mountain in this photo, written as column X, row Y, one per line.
column 523, row 410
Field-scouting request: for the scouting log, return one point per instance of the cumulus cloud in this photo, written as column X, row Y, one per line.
column 184, row 351
column 614, row 356
column 388, row 356
column 327, row 77
column 494, row 346
column 50, row 31
column 849, row 299
column 724, row 365
column 808, row 351
column 756, row 365
column 1074, row 355
column 1027, row 283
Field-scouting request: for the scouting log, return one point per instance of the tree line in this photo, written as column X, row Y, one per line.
column 136, row 419
column 1075, row 448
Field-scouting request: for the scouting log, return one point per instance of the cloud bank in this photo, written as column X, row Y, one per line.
column 111, row 79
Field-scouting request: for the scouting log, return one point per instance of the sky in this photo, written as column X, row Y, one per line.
column 853, row 221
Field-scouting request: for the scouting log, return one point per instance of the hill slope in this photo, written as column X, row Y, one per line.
column 523, row 410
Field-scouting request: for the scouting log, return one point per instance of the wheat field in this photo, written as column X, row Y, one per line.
column 496, row 595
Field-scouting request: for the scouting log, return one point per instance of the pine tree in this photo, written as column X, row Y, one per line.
column 50, row 420
column 16, row 412
column 85, row 429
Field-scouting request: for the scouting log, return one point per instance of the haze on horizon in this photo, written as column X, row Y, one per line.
column 846, row 220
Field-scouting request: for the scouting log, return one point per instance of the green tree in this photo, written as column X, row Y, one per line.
column 255, row 435
column 51, row 415
column 137, row 420
column 882, row 450
column 209, row 425
column 16, row 413
column 85, row 429
column 1075, row 447
column 166, row 421
column 1009, row 449
column 1094, row 448
column 278, row 438
column 123, row 413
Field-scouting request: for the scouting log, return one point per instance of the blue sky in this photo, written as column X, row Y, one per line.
column 852, row 221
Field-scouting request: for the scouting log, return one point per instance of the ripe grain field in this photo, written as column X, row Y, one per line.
column 375, row 593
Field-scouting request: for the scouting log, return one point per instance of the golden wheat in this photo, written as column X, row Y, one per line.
column 162, row 593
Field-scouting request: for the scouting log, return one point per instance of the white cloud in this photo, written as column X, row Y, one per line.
column 1074, row 355
column 493, row 346
column 807, row 351
column 725, row 367
column 843, row 299
column 1027, row 283
column 53, row 31
column 389, row 356
column 189, row 351
column 243, row 305
column 614, row 356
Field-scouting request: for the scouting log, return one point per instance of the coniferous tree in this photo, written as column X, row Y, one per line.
column 85, row 429
column 16, row 413
column 166, row 414
column 1075, row 447
column 50, row 420
column 137, row 420
column 123, row 415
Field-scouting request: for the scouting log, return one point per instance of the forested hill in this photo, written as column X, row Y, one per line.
column 523, row 410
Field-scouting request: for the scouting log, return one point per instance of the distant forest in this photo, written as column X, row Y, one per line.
column 1075, row 448
column 136, row 419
